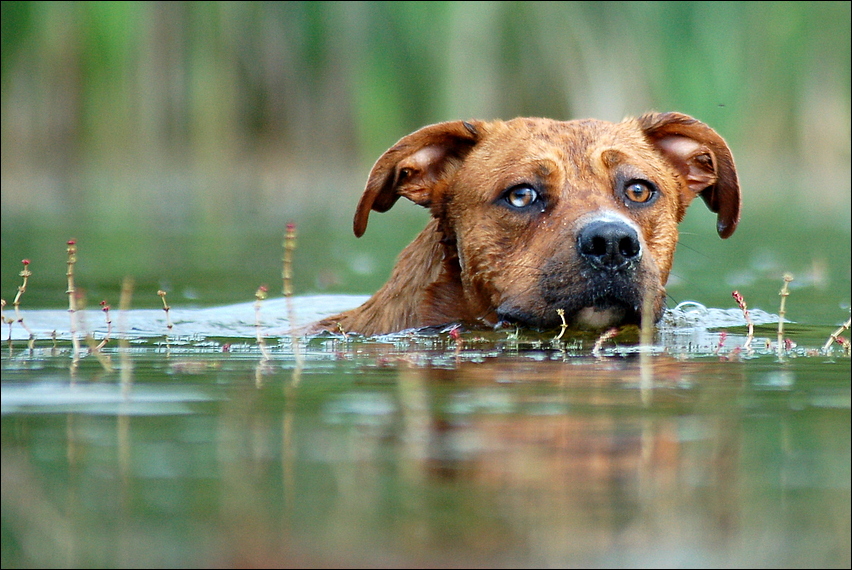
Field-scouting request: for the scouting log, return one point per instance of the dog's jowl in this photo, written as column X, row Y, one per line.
column 533, row 215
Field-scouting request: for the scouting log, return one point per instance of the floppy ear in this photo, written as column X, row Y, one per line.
column 415, row 166
column 705, row 161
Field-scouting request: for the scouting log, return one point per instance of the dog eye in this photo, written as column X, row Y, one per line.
column 521, row 197
column 639, row 191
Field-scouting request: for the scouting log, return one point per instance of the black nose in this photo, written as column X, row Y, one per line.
column 610, row 246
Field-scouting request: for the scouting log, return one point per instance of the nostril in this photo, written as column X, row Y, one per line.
column 596, row 246
column 629, row 247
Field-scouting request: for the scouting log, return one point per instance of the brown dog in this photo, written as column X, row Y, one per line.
column 534, row 215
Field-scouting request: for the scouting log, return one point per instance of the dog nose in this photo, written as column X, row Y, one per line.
column 609, row 245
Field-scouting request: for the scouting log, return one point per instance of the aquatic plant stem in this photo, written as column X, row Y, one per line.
column 287, row 276
column 607, row 335
column 259, row 296
column 25, row 274
column 564, row 326
column 744, row 308
column 835, row 336
column 106, row 339
column 125, row 364
column 169, row 325
column 72, row 303
column 646, row 328
column 782, row 311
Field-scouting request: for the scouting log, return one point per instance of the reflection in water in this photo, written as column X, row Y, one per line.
column 582, row 475
column 503, row 460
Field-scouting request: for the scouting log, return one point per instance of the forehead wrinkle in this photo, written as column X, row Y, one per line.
column 574, row 147
column 525, row 152
column 579, row 145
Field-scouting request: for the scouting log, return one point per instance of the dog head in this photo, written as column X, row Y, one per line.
column 537, row 215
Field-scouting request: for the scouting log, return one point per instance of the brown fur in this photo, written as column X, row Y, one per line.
column 481, row 261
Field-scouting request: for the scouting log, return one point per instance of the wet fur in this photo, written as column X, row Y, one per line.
column 479, row 262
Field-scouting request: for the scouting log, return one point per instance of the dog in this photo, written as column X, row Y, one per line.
column 535, row 217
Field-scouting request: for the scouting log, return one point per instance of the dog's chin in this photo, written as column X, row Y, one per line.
column 597, row 316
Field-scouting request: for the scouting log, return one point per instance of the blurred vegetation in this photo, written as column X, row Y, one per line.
column 209, row 120
column 200, row 80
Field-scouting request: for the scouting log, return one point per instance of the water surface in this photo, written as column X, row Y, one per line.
column 502, row 448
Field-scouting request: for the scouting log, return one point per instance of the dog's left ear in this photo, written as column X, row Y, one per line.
column 703, row 158
column 415, row 166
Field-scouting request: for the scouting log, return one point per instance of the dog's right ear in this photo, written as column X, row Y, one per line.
column 415, row 167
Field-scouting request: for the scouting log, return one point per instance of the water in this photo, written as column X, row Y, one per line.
column 195, row 446
column 500, row 449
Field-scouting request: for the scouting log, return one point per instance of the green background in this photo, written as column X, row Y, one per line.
column 174, row 141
